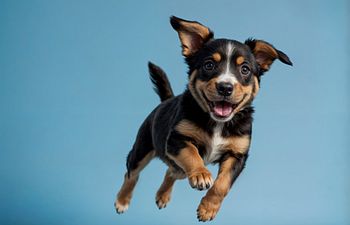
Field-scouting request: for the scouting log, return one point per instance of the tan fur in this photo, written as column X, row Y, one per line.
column 237, row 144
column 266, row 49
column 197, row 28
column 243, row 95
column 223, row 181
column 186, row 32
column 209, row 90
column 211, row 202
column 256, row 87
column 217, row 57
column 192, row 163
column 195, row 87
column 263, row 47
column 164, row 193
column 189, row 129
column 125, row 193
column 240, row 60
column 188, row 158
column 141, row 165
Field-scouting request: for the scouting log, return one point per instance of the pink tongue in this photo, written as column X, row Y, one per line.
column 223, row 109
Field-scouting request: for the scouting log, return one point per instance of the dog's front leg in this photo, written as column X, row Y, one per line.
column 186, row 156
column 229, row 170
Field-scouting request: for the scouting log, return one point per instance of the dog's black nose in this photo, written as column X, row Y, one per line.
column 224, row 88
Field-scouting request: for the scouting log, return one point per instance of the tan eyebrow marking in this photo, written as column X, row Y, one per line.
column 239, row 60
column 217, row 57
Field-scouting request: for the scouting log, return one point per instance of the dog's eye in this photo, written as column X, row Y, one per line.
column 245, row 70
column 209, row 65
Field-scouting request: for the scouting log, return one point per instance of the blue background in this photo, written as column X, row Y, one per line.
column 74, row 89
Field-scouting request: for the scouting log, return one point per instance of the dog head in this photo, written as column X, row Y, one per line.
column 224, row 75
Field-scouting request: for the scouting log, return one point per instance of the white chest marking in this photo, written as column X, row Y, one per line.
column 213, row 151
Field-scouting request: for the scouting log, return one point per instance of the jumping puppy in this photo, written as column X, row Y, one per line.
column 211, row 122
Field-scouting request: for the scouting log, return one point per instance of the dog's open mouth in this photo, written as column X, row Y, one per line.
column 222, row 109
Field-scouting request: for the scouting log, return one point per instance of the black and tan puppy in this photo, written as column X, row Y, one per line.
column 211, row 122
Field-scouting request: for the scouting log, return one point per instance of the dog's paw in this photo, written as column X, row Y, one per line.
column 162, row 199
column 207, row 209
column 200, row 179
column 121, row 207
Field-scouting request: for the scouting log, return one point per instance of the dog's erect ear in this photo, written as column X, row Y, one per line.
column 265, row 54
column 192, row 34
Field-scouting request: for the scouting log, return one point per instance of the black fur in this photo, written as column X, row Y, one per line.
column 160, row 81
column 142, row 146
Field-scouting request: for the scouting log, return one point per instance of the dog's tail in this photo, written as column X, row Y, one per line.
column 160, row 81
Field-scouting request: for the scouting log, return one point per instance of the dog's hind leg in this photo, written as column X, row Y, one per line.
column 141, row 154
column 164, row 192
column 130, row 179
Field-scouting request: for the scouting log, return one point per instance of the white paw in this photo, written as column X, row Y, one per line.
column 120, row 208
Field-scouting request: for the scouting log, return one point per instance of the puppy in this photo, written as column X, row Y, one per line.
column 210, row 122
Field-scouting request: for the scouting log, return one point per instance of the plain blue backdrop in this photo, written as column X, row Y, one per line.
column 74, row 89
